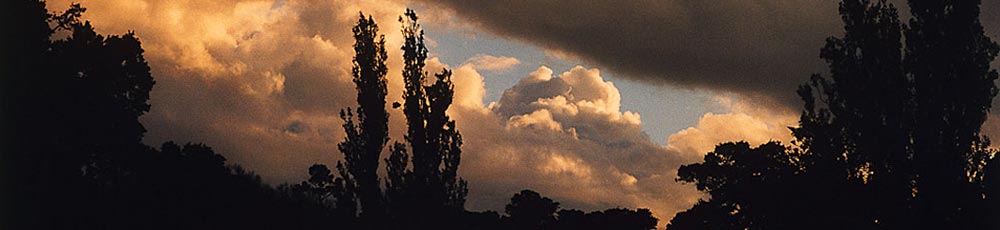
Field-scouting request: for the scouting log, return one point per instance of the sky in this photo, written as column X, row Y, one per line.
column 592, row 103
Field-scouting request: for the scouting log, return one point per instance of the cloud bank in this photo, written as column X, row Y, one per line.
column 566, row 136
column 758, row 48
column 262, row 83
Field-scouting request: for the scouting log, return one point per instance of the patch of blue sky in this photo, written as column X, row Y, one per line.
column 664, row 109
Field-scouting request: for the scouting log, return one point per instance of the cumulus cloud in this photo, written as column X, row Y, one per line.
column 565, row 136
column 262, row 82
column 494, row 63
column 744, row 121
column 759, row 49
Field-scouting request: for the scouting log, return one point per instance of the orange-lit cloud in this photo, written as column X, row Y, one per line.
column 494, row 63
column 260, row 81
column 744, row 121
column 565, row 136
column 263, row 81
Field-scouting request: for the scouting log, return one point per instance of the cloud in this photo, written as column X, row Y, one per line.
column 493, row 63
column 744, row 122
column 565, row 136
column 568, row 134
column 751, row 47
column 758, row 48
column 262, row 82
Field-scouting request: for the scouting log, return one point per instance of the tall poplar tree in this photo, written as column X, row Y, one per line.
column 431, row 181
column 889, row 140
column 948, row 57
column 368, row 135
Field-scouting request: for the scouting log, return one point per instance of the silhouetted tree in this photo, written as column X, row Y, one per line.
column 706, row 215
column 23, row 46
column 431, row 190
column 859, row 141
column 396, row 178
column 948, row 57
column 344, row 193
column 991, row 190
column 365, row 139
column 530, row 210
column 571, row 219
column 621, row 219
column 77, row 161
column 327, row 190
column 487, row 220
column 320, row 185
column 750, row 188
column 890, row 140
column 75, row 154
column 74, row 104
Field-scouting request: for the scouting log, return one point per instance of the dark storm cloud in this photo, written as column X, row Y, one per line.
column 753, row 47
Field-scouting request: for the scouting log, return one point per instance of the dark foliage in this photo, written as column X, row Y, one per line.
column 890, row 140
column 733, row 175
column 529, row 210
column 73, row 156
column 429, row 191
column 948, row 57
column 367, row 137
column 72, row 152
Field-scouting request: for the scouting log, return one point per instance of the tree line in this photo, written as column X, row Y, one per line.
column 890, row 139
column 73, row 156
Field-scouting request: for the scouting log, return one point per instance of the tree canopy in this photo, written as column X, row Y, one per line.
column 890, row 139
